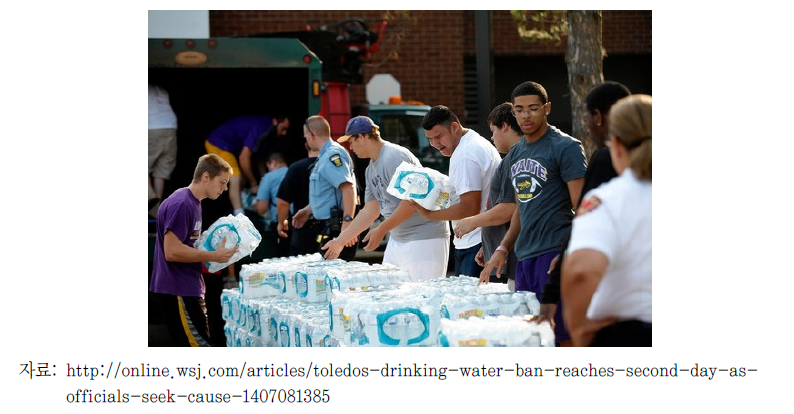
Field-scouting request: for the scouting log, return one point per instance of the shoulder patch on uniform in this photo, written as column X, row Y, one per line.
column 588, row 205
column 336, row 160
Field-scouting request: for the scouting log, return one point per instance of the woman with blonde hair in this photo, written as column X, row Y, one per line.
column 606, row 278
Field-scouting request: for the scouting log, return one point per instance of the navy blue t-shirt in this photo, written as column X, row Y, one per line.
column 539, row 173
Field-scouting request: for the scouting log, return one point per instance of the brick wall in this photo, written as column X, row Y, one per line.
column 624, row 32
column 430, row 63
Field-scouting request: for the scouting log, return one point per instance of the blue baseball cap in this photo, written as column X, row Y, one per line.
column 357, row 125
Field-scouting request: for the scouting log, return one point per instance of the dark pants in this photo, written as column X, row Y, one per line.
column 185, row 318
column 212, row 298
column 626, row 333
column 298, row 250
column 465, row 263
column 304, row 239
column 281, row 244
column 348, row 253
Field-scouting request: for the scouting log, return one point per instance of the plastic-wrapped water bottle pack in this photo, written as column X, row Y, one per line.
column 310, row 278
column 339, row 314
column 237, row 230
column 273, row 321
column 364, row 278
column 428, row 187
column 268, row 277
column 378, row 306
column 494, row 331
column 392, row 319
column 454, row 306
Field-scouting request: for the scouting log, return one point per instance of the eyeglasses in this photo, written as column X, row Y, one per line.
column 531, row 110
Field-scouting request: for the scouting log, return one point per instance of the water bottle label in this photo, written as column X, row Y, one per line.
column 283, row 333
column 407, row 325
column 301, row 284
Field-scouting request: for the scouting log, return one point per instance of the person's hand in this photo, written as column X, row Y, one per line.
column 464, row 227
column 281, row 228
column 222, row 254
column 583, row 335
column 419, row 209
column 373, row 239
column 254, row 189
column 484, row 278
column 301, row 217
column 333, row 248
column 352, row 242
column 498, row 262
column 553, row 264
column 479, row 258
column 546, row 314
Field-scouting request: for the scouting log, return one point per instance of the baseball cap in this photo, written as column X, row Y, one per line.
column 357, row 125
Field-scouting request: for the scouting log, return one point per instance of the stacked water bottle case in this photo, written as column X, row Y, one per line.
column 307, row 301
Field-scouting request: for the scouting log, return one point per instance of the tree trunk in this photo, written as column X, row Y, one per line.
column 585, row 58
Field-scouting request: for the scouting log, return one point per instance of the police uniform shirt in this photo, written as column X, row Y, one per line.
column 333, row 167
column 615, row 220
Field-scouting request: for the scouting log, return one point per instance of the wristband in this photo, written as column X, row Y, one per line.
column 502, row 249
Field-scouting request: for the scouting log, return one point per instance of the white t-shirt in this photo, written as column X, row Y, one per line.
column 619, row 226
column 161, row 116
column 470, row 169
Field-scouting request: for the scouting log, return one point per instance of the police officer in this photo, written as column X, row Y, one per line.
column 332, row 186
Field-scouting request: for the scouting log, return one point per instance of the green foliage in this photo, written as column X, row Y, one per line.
column 543, row 26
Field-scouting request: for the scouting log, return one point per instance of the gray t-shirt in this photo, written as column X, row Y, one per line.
column 501, row 192
column 539, row 172
column 378, row 175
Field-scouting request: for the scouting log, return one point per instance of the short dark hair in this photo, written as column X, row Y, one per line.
column 439, row 115
column 603, row 96
column 280, row 116
column 530, row 88
column 276, row 157
column 211, row 164
column 502, row 114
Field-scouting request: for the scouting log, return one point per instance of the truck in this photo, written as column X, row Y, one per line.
column 299, row 74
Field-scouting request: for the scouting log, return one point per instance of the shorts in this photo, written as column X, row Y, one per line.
column 423, row 259
column 465, row 263
column 162, row 152
column 226, row 155
column 531, row 275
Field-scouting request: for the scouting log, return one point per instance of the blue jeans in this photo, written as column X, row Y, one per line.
column 464, row 261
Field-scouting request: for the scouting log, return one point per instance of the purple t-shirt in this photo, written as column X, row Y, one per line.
column 240, row 131
column 180, row 214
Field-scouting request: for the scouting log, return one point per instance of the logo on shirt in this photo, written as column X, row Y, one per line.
column 588, row 205
column 336, row 160
column 196, row 231
column 528, row 176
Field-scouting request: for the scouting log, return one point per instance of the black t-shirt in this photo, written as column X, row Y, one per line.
column 599, row 171
column 295, row 189
column 290, row 147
